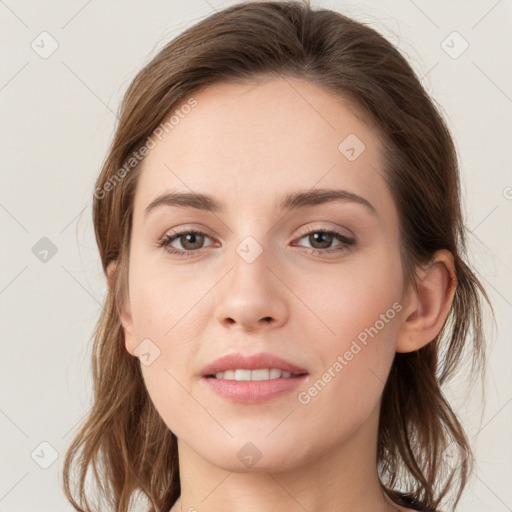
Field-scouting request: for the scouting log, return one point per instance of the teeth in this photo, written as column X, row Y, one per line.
column 243, row 374
column 257, row 374
column 275, row 373
column 260, row 374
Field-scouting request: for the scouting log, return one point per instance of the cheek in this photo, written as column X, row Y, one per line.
column 355, row 363
column 348, row 298
column 164, row 299
column 356, row 325
column 164, row 310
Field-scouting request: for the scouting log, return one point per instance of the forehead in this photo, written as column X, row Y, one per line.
column 251, row 143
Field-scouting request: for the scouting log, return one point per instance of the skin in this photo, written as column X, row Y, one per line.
column 249, row 145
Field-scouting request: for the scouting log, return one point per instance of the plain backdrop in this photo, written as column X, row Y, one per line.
column 64, row 68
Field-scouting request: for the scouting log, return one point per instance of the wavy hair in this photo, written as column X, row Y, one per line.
column 123, row 440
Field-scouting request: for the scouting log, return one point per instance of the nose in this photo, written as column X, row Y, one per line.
column 252, row 296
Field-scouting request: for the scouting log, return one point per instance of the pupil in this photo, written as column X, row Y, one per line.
column 320, row 235
column 193, row 235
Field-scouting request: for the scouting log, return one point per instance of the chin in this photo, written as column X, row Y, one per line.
column 245, row 456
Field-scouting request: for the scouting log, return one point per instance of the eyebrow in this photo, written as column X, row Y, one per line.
column 293, row 201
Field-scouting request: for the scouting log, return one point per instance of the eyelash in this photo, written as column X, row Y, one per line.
column 345, row 245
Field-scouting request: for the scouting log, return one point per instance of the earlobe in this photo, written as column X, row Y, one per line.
column 429, row 303
column 125, row 314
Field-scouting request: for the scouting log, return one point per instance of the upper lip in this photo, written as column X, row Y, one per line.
column 250, row 362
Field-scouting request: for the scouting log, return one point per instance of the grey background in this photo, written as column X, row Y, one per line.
column 58, row 115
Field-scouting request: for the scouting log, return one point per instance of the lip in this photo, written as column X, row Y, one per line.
column 256, row 391
column 250, row 362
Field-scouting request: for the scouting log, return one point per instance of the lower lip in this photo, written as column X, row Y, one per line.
column 253, row 391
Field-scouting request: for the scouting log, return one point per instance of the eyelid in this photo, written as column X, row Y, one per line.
column 305, row 230
column 186, row 228
column 302, row 231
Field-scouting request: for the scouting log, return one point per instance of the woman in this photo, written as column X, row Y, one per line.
column 279, row 222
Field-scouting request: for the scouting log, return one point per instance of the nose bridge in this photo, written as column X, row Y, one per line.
column 250, row 263
column 251, row 294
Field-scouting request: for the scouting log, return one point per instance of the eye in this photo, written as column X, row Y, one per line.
column 191, row 241
column 324, row 238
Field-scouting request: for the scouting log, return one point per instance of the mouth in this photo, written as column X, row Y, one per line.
column 262, row 366
column 259, row 374
column 258, row 390
column 252, row 378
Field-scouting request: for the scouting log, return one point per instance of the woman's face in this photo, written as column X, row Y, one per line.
column 262, row 278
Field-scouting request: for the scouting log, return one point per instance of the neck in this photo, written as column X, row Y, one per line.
column 344, row 479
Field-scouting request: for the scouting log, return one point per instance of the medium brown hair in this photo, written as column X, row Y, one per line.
column 123, row 439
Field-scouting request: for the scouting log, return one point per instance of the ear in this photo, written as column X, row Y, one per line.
column 428, row 304
column 125, row 314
